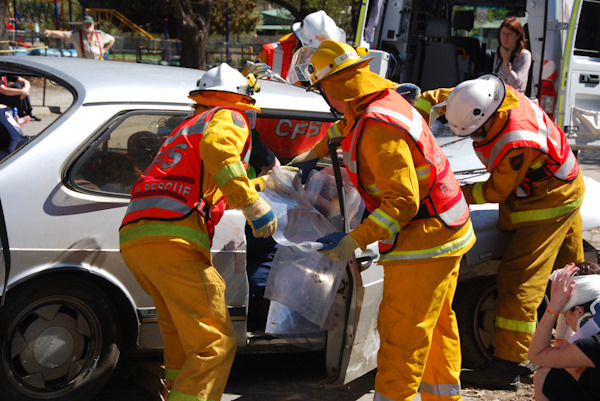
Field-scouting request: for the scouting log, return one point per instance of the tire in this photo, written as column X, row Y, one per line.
column 63, row 339
column 475, row 307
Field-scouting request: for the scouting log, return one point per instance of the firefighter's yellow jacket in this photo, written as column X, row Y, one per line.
column 549, row 199
column 386, row 159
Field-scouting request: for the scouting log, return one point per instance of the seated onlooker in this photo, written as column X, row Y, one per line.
column 14, row 92
column 11, row 136
column 569, row 370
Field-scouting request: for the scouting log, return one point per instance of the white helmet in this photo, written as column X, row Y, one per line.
column 472, row 103
column 224, row 79
column 317, row 27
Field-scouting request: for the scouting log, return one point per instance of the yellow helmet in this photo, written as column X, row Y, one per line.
column 332, row 57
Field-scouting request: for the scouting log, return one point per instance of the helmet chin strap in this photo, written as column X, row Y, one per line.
column 336, row 113
column 481, row 132
column 479, row 135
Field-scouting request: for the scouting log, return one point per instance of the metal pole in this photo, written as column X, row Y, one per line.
column 166, row 47
column 56, row 13
column 227, row 31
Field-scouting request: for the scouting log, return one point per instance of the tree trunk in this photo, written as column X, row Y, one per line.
column 194, row 16
column 3, row 32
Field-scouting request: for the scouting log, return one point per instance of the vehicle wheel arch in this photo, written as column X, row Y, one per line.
column 106, row 300
column 114, row 291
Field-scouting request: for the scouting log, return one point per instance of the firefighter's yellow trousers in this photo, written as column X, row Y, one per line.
column 523, row 277
column 420, row 347
column 189, row 295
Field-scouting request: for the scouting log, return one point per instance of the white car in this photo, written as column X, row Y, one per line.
column 72, row 309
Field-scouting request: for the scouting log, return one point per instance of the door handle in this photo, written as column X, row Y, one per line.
column 589, row 79
column 365, row 260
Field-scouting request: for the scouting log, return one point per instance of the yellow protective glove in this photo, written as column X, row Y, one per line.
column 303, row 157
column 259, row 183
column 338, row 246
column 261, row 218
column 290, row 168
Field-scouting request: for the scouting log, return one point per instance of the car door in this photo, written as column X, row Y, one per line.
column 353, row 342
column 579, row 94
column 5, row 265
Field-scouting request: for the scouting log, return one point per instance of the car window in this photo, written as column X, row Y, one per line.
column 587, row 42
column 122, row 151
column 24, row 118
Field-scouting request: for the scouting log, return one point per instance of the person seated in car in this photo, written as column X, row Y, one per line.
column 11, row 136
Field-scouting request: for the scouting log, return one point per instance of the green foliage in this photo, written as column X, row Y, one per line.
column 343, row 12
column 242, row 18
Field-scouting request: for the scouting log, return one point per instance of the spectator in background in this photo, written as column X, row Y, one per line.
column 512, row 60
column 89, row 43
column 569, row 371
column 14, row 92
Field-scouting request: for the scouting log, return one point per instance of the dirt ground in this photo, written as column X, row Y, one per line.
column 525, row 393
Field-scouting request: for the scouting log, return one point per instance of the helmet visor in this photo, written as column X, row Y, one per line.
column 298, row 71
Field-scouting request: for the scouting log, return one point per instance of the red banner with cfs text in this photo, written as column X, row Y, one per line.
column 288, row 138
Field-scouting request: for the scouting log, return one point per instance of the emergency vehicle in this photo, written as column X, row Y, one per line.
column 439, row 43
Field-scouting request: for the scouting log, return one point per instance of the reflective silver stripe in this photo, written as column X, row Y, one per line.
column 228, row 173
column 380, row 397
column 350, row 164
column 440, row 390
column 385, row 221
column 520, row 192
column 455, row 212
column 415, row 125
column 567, row 167
column 423, row 172
column 415, row 130
column 484, row 160
column 520, row 135
column 446, row 248
column 334, row 131
column 158, row 202
column 372, row 189
column 198, row 128
column 543, row 127
column 277, row 58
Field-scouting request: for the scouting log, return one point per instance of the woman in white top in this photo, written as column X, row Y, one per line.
column 512, row 59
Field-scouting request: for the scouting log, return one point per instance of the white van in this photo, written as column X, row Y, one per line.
column 439, row 43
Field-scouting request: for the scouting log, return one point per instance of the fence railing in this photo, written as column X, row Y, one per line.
column 136, row 49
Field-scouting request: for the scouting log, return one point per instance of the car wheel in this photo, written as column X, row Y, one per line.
column 475, row 307
column 62, row 341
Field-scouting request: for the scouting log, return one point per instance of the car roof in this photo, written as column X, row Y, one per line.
column 94, row 81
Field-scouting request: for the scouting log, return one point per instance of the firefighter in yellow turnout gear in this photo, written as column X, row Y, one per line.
column 418, row 214
column 535, row 178
column 166, row 233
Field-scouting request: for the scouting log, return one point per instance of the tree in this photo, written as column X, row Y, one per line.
column 194, row 16
column 344, row 12
column 241, row 14
column 3, row 32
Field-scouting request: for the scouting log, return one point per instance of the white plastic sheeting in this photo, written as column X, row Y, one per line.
column 305, row 282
